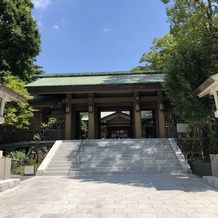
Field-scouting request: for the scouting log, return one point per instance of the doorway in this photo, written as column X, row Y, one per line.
column 148, row 123
column 81, row 130
column 115, row 124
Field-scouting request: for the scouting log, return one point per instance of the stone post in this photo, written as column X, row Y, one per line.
column 137, row 116
column 68, row 117
column 161, row 116
column 91, row 112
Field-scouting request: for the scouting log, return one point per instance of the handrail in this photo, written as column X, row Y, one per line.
column 74, row 161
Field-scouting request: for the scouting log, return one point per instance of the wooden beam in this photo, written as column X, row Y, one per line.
column 114, row 99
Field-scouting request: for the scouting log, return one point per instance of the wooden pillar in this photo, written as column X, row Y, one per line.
column 2, row 106
column 68, row 117
column 161, row 116
column 40, row 117
column 91, row 112
column 137, row 116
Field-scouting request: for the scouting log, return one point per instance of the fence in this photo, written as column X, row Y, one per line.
column 27, row 135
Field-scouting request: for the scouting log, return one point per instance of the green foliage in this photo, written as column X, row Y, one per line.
column 186, row 70
column 18, row 159
column 188, row 55
column 83, row 125
column 17, row 114
column 14, row 83
column 36, row 153
column 44, row 127
column 19, row 46
column 19, row 39
column 192, row 19
column 159, row 53
column 194, row 58
column 195, row 145
column 18, row 156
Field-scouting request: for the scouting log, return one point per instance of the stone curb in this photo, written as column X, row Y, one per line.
column 211, row 181
column 8, row 184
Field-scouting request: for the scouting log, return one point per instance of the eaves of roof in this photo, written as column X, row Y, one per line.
column 13, row 96
column 100, row 79
column 206, row 87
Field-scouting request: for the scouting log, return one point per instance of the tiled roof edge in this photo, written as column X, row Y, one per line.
column 98, row 74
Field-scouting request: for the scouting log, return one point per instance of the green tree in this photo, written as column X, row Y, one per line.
column 19, row 159
column 194, row 58
column 37, row 153
column 188, row 55
column 194, row 25
column 17, row 114
column 44, row 128
column 19, row 39
column 19, row 46
column 160, row 52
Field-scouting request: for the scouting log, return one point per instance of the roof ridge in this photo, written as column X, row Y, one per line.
column 98, row 74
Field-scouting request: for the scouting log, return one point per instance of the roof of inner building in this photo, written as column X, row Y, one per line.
column 10, row 94
column 103, row 78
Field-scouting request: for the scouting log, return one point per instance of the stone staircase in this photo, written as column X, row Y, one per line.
column 60, row 161
column 130, row 156
column 118, row 156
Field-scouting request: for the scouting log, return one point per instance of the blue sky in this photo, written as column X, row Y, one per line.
column 97, row 35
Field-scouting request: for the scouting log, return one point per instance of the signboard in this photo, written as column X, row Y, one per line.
column 29, row 170
column 182, row 127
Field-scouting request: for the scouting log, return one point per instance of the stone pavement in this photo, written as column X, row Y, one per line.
column 112, row 196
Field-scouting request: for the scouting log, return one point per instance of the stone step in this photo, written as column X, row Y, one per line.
column 125, row 141
column 70, row 144
column 61, row 169
column 62, row 160
column 55, row 173
column 127, row 146
column 63, row 164
column 64, row 156
column 67, row 150
column 147, row 172
column 115, row 156
column 123, row 147
column 125, row 157
column 128, row 151
column 128, row 164
column 128, row 160
column 88, row 148
column 125, row 168
column 88, row 158
column 68, row 160
column 166, row 151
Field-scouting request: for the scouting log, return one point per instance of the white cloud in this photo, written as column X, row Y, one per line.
column 56, row 27
column 106, row 30
column 41, row 3
column 38, row 21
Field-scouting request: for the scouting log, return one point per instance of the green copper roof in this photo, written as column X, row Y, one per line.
column 110, row 78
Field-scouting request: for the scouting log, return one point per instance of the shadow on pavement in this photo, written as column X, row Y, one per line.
column 162, row 182
column 22, row 178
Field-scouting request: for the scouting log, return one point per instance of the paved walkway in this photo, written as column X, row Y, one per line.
column 117, row 196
